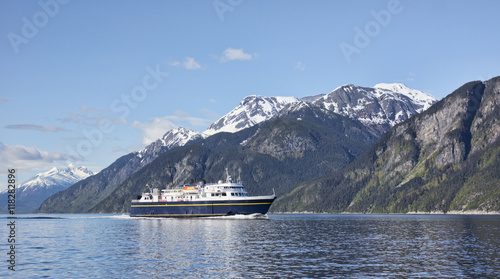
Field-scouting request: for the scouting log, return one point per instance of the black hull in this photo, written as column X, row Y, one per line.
column 200, row 208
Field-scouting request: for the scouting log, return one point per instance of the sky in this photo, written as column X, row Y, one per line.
column 86, row 81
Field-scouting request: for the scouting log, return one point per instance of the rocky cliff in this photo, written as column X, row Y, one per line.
column 444, row 159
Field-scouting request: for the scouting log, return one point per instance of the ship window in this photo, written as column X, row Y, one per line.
column 224, row 194
column 232, row 194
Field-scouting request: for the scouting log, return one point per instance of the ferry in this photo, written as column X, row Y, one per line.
column 200, row 200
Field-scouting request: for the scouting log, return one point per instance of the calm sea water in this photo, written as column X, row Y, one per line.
column 292, row 246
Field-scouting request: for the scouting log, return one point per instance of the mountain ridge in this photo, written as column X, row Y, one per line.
column 444, row 159
column 378, row 108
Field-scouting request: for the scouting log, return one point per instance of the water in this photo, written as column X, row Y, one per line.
column 292, row 246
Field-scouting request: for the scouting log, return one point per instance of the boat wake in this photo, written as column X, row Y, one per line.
column 253, row 216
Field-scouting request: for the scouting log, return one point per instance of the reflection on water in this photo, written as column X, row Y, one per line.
column 97, row 246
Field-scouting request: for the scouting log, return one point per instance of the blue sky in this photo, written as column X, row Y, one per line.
column 86, row 82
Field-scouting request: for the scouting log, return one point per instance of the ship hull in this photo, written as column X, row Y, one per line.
column 200, row 208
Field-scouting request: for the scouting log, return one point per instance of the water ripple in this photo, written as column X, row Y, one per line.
column 380, row 246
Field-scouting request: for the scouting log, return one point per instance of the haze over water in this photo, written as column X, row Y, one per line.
column 117, row 246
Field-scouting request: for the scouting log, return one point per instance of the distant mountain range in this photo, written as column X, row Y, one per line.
column 31, row 194
column 271, row 142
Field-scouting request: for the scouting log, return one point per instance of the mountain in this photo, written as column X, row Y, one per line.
column 251, row 110
column 378, row 108
column 89, row 192
column 172, row 138
column 292, row 147
column 247, row 121
column 446, row 159
column 31, row 194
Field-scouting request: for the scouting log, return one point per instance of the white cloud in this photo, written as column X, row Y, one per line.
column 27, row 158
column 175, row 63
column 231, row 54
column 190, row 64
column 3, row 100
column 183, row 118
column 160, row 125
column 151, row 131
column 299, row 66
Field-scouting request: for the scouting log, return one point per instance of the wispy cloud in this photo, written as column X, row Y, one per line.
column 27, row 158
column 189, row 63
column 231, row 54
column 32, row 127
column 3, row 100
column 181, row 117
column 89, row 116
column 90, row 109
column 174, row 63
column 409, row 77
column 154, row 130
column 151, row 131
column 299, row 66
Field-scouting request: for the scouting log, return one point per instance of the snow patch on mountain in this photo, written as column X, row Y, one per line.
column 420, row 98
column 379, row 107
column 252, row 110
column 173, row 138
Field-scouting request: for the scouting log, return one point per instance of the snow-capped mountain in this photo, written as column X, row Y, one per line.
column 31, row 194
column 378, row 108
column 56, row 177
column 422, row 99
column 173, row 138
column 251, row 110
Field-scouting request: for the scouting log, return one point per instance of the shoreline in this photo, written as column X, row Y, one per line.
column 454, row 212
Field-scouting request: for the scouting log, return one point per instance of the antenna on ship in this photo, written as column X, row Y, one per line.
column 228, row 177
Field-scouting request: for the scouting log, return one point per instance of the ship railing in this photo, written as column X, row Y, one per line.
column 217, row 184
column 171, row 191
